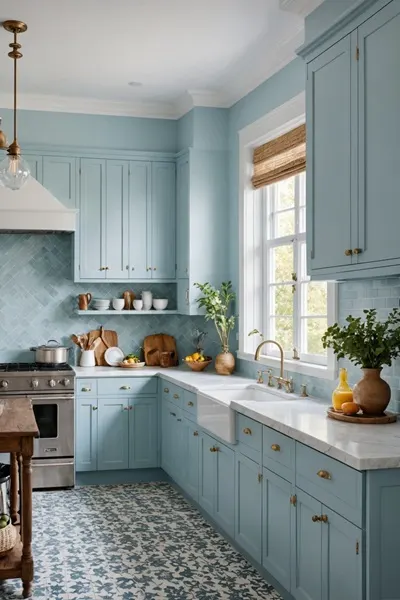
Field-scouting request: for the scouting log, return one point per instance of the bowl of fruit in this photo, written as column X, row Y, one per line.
column 8, row 535
column 131, row 361
column 197, row 361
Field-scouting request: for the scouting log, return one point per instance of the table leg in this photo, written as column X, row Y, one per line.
column 26, row 517
column 14, row 488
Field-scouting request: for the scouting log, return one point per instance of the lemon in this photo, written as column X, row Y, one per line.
column 196, row 356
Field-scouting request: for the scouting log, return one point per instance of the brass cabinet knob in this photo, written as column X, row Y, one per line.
column 259, row 477
column 190, row 404
column 324, row 518
column 324, row 474
column 101, row 269
column 86, row 389
column 275, row 447
column 293, row 500
column 195, row 433
column 357, row 250
column 172, row 414
column 176, row 395
column 348, row 252
column 125, row 387
column 148, row 269
column 247, row 431
column 94, row 407
column 126, row 407
column 316, row 518
column 166, row 391
column 214, row 449
column 154, row 268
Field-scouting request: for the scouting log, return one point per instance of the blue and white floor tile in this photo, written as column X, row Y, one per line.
column 132, row 542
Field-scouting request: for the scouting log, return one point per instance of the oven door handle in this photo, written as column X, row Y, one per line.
column 52, row 397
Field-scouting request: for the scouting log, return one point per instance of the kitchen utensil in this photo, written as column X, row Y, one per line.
column 131, row 365
column 77, row 340
column 129, row 297
column 52, row 352
column 160, row 303
column 95, row 344
column 84, row 301
column 138, row 304
column 147, row 298
column 118, row 303
column 87, row 358
column 153, row 345
column 114, row 356
column 106, row 340
column 198, row 366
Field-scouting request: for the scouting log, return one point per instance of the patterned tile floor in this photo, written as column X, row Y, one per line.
column 132, row 542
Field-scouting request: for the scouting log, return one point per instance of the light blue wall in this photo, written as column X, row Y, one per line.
column 185, row 131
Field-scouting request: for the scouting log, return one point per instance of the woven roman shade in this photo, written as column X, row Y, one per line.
column 280, row 158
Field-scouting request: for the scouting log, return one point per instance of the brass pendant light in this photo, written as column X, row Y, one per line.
column 14, row 170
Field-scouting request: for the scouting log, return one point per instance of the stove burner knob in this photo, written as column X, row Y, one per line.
column 66, row 382
column 4, row 384
column 35, row 383
column 52, row 383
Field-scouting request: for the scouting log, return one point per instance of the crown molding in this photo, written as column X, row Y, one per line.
column 299, row 7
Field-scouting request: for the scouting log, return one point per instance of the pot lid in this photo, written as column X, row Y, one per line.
column 51, row 345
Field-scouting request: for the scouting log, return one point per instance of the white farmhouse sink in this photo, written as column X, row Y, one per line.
column 215, row 414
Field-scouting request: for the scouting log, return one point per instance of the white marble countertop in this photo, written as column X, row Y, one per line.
column 359, row 446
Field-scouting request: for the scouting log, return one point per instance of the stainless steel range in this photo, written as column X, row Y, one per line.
column 51, row 389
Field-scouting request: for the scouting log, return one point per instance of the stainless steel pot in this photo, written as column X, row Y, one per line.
column 52, row 352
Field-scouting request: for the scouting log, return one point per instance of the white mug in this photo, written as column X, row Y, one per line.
column 138, row 304
column 147, row 298
column 87, row 358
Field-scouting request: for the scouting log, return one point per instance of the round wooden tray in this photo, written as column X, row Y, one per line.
column 362, row 419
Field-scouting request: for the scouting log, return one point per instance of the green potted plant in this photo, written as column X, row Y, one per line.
column 371, row 344
column 217, row 306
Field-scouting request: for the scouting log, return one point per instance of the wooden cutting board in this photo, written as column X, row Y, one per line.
column 154, row 344
column 108, row 338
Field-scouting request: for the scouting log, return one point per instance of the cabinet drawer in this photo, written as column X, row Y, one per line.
column 86, row 387
column 190, row 402
column 249, row 435
column 172, row 393
column 278, row 453
column 117, row 386
column 333, row 483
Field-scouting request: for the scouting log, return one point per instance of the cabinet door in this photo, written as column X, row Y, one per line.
column 59, row 177
column 162, row 220
column 182, row 218
column 191, row 459
column 166, row 439
column 276, row 531
column 307, row 555
column 207, row 466
column 225, row 488
column 341, row 558
column 330, row 156
column 139, row 208
column 379, row 133
column 86, row 434
column 183, row 296
column 35, row 163
column 91, row 218
column 116, row 220
column 113, row 434
column 248, row 506
column 143, row 427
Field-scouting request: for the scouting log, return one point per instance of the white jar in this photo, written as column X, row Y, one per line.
column 87, row 358
column 138, row 304
column 147, row 298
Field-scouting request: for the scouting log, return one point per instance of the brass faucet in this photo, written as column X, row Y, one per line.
column 281, row 381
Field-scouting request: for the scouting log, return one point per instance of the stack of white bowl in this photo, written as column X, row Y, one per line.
column 100, row 304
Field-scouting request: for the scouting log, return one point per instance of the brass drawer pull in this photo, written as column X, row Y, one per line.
column 125, row 387
column 348, row 252
column 357, row 251
column 324, row 518
column 86, row 389
column 166, row 391
column 276, row 447
column 94, row 407
column 214, row 449
column 316, row 518
column 126, row 407
column 190, row 404
column 324, row 474
column 176, row 396
column 259, row 477
column 195, row 433
column 172, row 414
column 293, row 500
column 247, row 431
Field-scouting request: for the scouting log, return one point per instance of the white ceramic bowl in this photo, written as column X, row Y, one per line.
column 160, row 303
column 118, row 303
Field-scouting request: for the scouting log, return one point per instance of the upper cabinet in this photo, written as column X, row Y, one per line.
column 161, row 237
column 352, row 96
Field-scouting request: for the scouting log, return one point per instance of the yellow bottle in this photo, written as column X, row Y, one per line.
column 343, row 392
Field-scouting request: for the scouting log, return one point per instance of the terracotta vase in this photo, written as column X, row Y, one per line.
column 372, row 393
column 225, row 363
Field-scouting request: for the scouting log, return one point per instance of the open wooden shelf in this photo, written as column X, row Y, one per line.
column 127, row 312
column 10, row 564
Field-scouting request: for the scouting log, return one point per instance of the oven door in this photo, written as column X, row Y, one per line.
column 54, row 414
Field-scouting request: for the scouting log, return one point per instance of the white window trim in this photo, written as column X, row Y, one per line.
column 276, row 123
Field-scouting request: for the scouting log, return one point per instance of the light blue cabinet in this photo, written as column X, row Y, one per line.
column 248, row 505
column 116, row 220
column 139, row 198
column 91, row 251
column 166, row 439
column 86, row 434
column 182, row 217
column 59, row 177
column 113, row 434
column 278, row 515
column 35, row 162
column 190, row 479
column 161, row 237
column 143, row 432
column 207, row 473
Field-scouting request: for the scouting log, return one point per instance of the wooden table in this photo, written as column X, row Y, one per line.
column 17, row 429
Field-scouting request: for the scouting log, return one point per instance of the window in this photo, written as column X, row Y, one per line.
column 276, row 296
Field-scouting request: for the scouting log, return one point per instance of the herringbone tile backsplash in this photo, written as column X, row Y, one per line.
column 38, row 300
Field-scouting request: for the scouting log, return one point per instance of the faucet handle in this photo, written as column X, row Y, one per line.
column 260, row 378
column 289, row 385
column 303, row 390
column 270, row 378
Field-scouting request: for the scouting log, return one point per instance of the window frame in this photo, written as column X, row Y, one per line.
column 251, row 223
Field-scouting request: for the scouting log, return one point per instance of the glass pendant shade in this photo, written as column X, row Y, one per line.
column 14, row 172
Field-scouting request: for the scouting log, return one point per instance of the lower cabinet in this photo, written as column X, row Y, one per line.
column 190, row 456
column 172, row 441
column 248, row 505
column 143, row 433
column 113, row 434
column 86, row 434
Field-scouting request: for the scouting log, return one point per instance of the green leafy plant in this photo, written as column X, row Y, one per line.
column 366, row 342
column 217, row 305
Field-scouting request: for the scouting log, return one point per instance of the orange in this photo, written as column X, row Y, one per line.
column 350, row 408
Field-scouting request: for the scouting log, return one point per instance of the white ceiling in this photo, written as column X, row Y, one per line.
column 79, row 55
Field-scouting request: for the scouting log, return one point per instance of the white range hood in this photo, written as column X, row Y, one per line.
column 35, row 209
